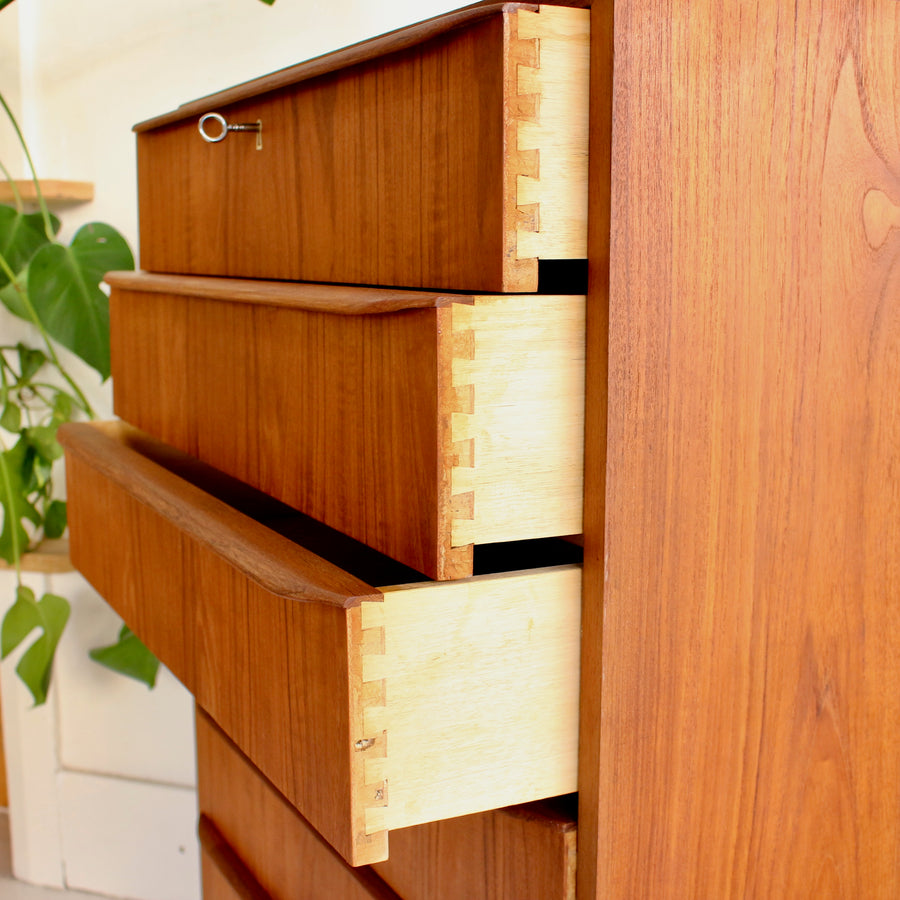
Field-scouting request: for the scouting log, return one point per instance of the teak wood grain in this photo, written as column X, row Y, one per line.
column 225, row 876
column 750, row 719
column 421, row 167
column 282, row 852
column 517, row 853
column 419, row 424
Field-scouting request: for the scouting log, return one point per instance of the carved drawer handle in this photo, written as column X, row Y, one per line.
column 220, row 120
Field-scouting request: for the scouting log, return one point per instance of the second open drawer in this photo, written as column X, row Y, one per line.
column 421, row 424
column 369, row 709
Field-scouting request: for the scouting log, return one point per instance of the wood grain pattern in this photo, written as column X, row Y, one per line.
column 418, row 432
column 123, row 457
column 749, row 729
column 517, row 853
column 380, row 173
column 479, row 680
column 225, row 875
column 591, row 787
column 347, row 409
column 330, row 298
column 284, row 854
column 519, row 438
column 365, row 51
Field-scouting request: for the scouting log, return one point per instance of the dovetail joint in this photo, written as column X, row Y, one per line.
column 524, row 156
column 374, row 725
column 463, row 444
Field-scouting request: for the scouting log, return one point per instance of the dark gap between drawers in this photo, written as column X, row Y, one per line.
column 562, row 276
column 349, row 554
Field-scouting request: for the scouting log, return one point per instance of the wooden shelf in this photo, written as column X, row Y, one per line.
column 51, row 558
column 56, row 192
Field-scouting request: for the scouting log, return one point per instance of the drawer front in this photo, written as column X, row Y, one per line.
column 519, row 853
column 420, row 424
column 370, row 710
column 454, row 163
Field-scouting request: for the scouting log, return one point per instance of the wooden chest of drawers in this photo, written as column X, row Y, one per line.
column 438, row 428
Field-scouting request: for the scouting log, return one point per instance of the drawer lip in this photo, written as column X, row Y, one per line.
column 273, row 562
column 364, row 51
column 298, row 295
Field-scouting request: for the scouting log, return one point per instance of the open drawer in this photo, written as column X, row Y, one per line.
column 451, row 155
column 420, row 424
column 368, row 709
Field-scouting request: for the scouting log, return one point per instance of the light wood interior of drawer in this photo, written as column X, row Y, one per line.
column 518, row 423
column 475, row 687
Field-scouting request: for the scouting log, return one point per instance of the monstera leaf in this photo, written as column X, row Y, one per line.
column 64, row 288
column 21, row 235
column 16, row 471
column 128, row 656
column 50, row 615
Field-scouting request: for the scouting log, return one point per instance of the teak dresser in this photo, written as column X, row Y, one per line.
column 368, row 408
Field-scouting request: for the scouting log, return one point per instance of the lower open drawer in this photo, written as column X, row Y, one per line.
column 369, row 709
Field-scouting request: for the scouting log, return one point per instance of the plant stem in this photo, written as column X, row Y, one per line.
column 45, row 212
column 23, row 294
column 20, row 206
column 6, row 484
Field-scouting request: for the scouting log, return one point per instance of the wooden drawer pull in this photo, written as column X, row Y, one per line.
column 225, row 127
column 126, row 457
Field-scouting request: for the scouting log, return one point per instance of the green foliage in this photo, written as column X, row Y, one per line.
column 55, row 287
column 128, row 656
column 49, row 614
column 64, row 288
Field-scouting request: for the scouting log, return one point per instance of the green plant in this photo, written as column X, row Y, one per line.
column 55, row 287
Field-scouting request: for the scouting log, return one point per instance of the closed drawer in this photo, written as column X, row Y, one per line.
column 449, row 155
column 420, row 424
column 519, row 853
column 369, row 709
